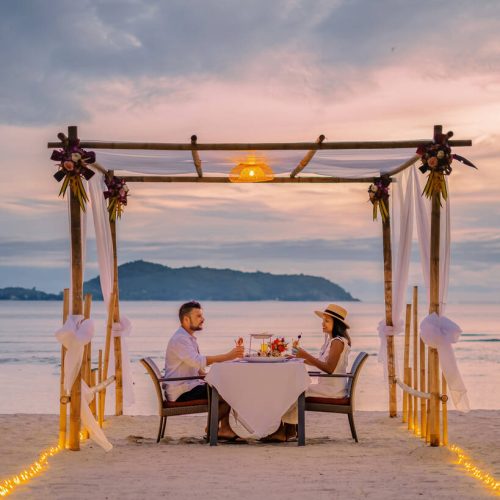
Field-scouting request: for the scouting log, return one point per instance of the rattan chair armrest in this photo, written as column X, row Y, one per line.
column 173, row 379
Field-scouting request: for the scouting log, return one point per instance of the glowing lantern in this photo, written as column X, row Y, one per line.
column 252, row 169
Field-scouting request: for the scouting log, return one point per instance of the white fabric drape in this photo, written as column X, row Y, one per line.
column 74, row 335
column 437, row 331
column 104, row 245
column 402, row 232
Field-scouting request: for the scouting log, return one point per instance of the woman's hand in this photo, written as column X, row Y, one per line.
column 300, row 353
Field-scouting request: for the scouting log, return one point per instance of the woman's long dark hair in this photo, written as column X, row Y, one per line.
column 340, row 330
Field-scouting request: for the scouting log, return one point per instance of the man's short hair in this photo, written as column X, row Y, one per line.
column 186, row 308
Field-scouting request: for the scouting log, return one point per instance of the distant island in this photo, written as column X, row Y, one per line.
column 140, row 280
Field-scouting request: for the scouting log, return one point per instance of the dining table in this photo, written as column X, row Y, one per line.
column 259, row 392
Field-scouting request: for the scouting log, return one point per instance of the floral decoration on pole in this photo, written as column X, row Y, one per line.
column 379, row 196
column 116, row 195
column 73, row 162
column 436, row 159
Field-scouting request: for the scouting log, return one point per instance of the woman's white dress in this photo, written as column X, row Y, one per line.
column 334, row 387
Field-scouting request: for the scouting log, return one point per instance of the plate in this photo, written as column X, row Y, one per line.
column 258, row 359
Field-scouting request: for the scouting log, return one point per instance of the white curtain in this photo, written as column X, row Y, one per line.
column 402, row 231
column 104, row 245
column 437, row 331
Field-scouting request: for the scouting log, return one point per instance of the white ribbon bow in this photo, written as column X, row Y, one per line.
column 439, row 332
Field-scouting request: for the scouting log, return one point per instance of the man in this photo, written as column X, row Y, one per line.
column 183, row 359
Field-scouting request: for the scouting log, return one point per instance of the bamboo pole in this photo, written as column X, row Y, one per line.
column 415, row 359
column 444, row 403
column 406, row 362
column 86, row 359
column 100, row 394
column 423, row 387
column 258, row 146
column 117, row 341
column 196, row 157
column 63, row 409
column 93, row 403
column 307, row 158
column 391, row 369
column 434, row 308
column 225, row 180
column 107, row 347
column 410, row 401
column 76, row 303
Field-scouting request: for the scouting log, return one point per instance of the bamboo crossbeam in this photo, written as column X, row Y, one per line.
column 259, row 146
column 405, row 165
column 196, row 157
column 102, row 385
column 307, row 158
column 225, row 180
column 413, row 392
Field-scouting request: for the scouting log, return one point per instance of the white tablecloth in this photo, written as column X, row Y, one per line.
column 260, row 393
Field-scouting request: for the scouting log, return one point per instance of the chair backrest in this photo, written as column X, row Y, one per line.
column 155, row 374
column 355, row 369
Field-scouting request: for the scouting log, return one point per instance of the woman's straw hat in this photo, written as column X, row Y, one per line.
column 335, row 312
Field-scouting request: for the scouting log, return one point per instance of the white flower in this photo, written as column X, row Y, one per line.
column 76, row 157
column 440, row 154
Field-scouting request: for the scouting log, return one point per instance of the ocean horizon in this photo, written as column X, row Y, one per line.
column 30, row 354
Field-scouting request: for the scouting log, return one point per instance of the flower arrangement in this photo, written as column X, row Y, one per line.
column 436, row 159
column 378, row 193
column 73, row 162
column 277, row 347
column 116, row 195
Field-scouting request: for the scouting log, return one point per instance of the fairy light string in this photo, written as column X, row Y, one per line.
column 7, row 486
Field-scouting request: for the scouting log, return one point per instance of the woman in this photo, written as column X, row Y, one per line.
column 332, row 358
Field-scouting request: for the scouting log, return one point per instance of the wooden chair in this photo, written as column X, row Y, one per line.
column 171, row 408
column 337, row 405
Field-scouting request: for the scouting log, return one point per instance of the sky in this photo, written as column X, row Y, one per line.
column 259, row 71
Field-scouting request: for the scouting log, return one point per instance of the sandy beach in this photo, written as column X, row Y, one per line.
column 388, row 462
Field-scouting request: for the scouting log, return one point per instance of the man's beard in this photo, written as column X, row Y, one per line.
column 197, row 328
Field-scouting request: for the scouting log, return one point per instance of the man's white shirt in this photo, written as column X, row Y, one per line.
column 182, row 359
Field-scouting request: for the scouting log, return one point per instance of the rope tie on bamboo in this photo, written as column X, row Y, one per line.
column 384, row 331
column 75, row 334
column 123, row 329
column 440, row 333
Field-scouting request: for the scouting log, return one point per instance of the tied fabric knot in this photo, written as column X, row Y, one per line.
column 439, row 332
column 74, row 335
column 122, row 328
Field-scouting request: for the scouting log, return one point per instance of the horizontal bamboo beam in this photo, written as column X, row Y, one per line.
column 260, row 146
column 225, row 180
column 405, row 165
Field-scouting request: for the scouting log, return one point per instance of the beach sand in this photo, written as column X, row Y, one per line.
column 389, row 462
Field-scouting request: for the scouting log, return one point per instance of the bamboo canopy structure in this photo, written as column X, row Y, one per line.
column 319, row 156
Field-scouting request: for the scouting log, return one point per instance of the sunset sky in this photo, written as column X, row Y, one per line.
column 228, row 71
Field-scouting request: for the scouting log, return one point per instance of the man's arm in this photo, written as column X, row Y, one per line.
column 237, row 352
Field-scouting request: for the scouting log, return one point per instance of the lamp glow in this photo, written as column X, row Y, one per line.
column 252, row 169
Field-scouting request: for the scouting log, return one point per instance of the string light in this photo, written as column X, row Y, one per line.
column 7, row 486
column 476, row 472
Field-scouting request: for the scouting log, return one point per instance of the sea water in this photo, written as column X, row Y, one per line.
column 30, row 355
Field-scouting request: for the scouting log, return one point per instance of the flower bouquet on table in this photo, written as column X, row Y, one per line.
column 277, row 347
